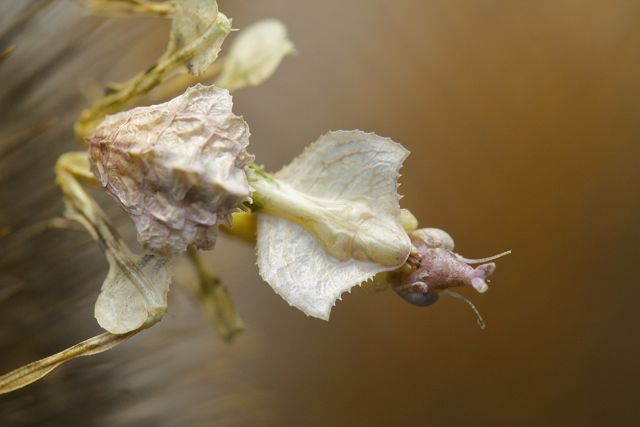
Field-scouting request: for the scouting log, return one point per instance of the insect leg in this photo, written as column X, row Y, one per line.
column 215, row 299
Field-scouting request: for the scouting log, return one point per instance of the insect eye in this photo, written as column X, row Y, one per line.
column 421, row 299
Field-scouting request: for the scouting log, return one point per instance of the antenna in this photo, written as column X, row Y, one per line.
column 480, row 260
column 473, row 307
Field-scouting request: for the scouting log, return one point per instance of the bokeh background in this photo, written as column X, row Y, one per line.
column 523, row 119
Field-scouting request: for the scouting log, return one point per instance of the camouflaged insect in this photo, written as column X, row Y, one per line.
column 178, row 168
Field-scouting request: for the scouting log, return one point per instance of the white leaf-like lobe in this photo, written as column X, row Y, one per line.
column 255, row 54
column 200, row 28
column 350, row 166
column 122, row 306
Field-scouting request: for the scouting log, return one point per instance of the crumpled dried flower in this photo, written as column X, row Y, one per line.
column 177, row 168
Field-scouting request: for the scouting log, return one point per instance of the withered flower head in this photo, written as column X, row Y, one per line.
column 177, row 168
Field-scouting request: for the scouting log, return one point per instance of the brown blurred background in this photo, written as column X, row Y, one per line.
column 523, row 119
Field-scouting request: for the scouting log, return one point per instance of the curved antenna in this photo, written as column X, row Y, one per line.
column 473, row 307
column 479, row 260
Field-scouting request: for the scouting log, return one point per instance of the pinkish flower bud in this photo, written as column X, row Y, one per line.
column 177, row 168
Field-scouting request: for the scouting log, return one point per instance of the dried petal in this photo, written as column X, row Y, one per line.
column 177, row 168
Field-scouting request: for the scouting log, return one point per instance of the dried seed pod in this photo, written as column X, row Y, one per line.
column 177, row 168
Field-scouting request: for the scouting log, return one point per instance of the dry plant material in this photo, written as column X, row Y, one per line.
column 134, row 293
column 197, row 33
column 253, row 57
column 34, row 371
column 120, row 7
column 327, row 222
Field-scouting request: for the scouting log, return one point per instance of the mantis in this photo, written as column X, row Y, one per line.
column 327, row 222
